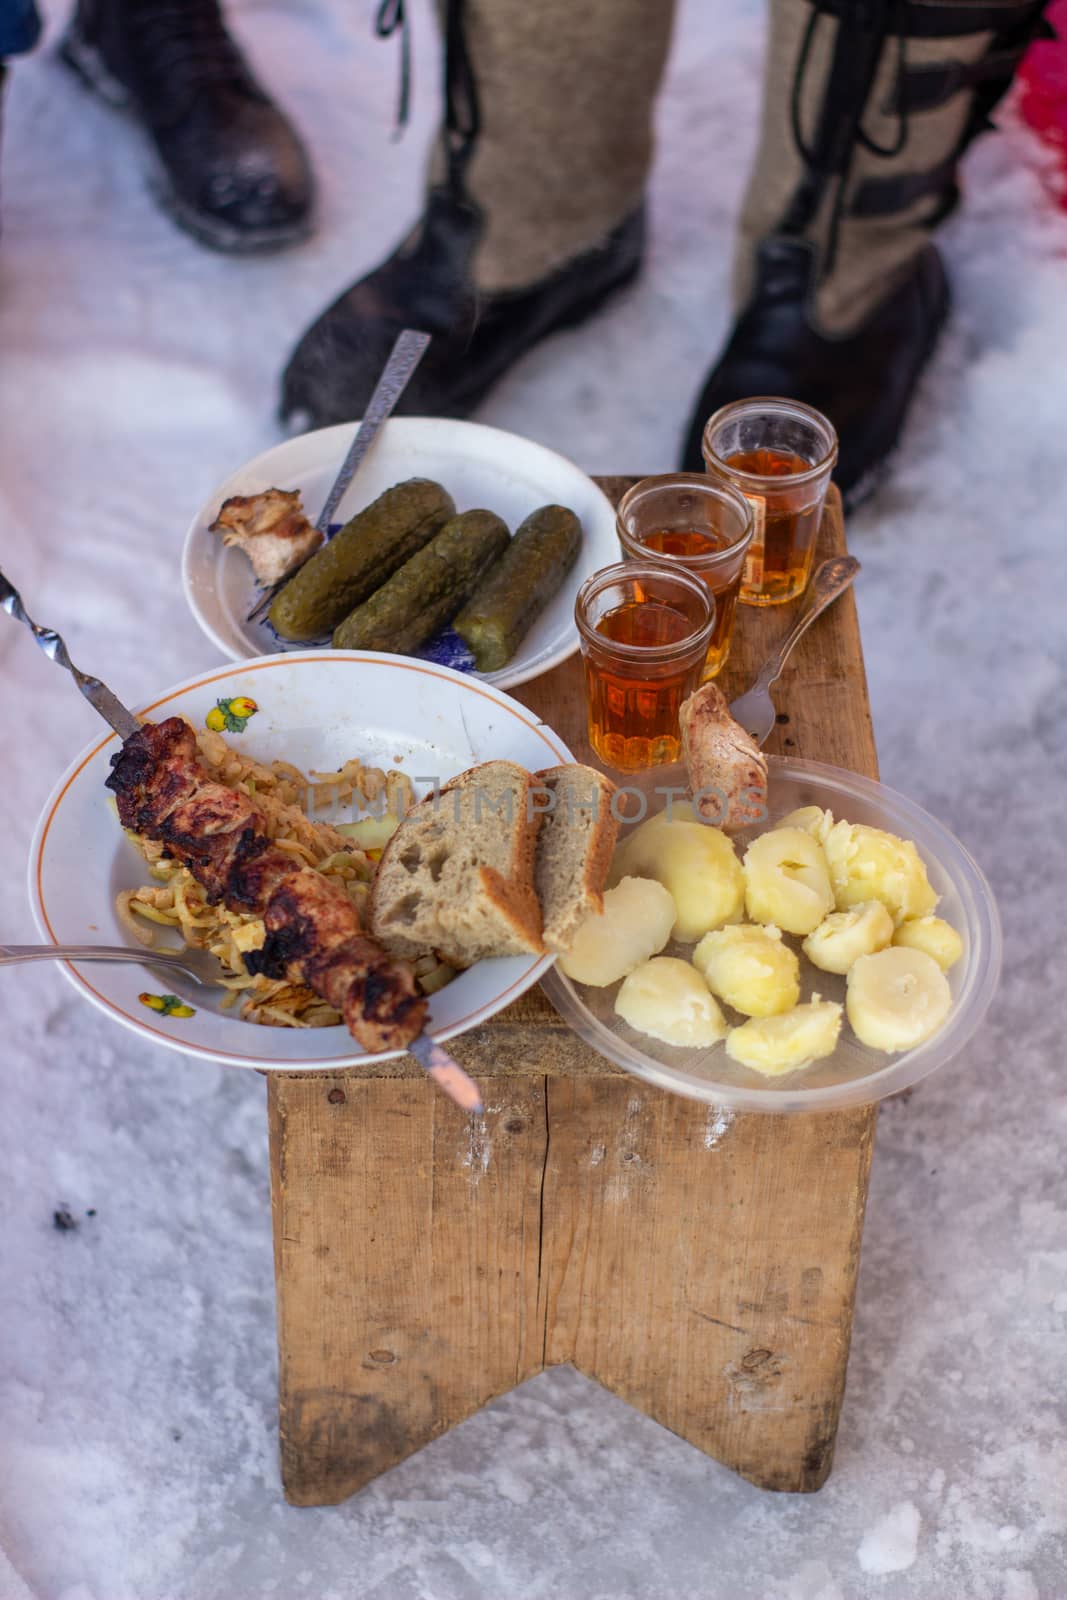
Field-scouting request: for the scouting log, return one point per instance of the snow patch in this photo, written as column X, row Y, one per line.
column 138, row 1403
column 812, row 1580
column 479, row 1146
column 1019, row 1585
column 719, row 1123
column 893, row 1543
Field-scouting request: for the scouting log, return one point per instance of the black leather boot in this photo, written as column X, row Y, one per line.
column 231, row 169
column 848, row 295
column 545, row 147
column 427, row 284
column 863, row 381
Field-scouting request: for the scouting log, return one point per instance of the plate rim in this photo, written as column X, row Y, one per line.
column 506, row 678
column 904, row 1070
column 72, row 970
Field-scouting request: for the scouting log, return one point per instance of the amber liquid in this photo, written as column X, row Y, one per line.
column 787, row 523
column 683, row 542
column 633, row 710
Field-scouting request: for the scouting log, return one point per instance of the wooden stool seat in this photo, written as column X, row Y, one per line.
column 699, row 1264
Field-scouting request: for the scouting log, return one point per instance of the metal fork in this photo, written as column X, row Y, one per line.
column 754, row 709
column 205, row 970
column 200, row 965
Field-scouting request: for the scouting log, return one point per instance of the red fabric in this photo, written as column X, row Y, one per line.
column 1043, row 91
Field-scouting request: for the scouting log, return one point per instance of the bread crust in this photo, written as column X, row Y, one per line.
column 513, row 894
column 508, row 896
column 587, row 896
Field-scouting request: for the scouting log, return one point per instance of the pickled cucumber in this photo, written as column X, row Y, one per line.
column 360, row 558
column 428, row 589
column 517, row 588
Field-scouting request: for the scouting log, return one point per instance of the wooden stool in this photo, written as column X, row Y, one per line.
column 701, row 1265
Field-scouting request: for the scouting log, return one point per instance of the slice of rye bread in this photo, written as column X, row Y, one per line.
column 457, row 877
column 574, row 849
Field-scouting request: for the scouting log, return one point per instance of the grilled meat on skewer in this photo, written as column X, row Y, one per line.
column 313, row 930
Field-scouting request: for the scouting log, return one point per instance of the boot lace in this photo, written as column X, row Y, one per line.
column 831, row 151
column 462, row 115
column 393, row 14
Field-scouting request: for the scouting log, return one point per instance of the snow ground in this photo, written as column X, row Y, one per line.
column 137, row 1379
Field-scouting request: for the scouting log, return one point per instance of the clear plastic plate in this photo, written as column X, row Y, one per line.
column 854, row 1075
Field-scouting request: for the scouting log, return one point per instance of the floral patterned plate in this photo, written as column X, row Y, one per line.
column 316, row 709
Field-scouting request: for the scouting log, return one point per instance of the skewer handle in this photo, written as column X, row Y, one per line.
column 407, row 352
column 446, row 1073
column 98, row 694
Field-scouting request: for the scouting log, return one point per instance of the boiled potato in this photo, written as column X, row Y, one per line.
column 896, row 998
column 750, row 968
column 371, row 832
column 787, row 880
column 695, row 862
column 775, row 1045
column 869, row 864
column 847, row 935
column 636, row 923
column 813, row 820
column 934, row 935
column 669, row 1000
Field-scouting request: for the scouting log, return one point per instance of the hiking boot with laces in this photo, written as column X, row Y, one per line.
column 231, row 169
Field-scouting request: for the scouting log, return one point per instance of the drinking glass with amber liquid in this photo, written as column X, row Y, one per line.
column 779, row 454
column 685, row 519
column 644, row 630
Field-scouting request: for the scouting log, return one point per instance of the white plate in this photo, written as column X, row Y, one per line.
column 316, row 709
column 480, row 467
column 854, row 1075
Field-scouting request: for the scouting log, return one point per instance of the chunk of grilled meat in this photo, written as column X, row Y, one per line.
column 314, row 934
column 271, row 529
column 727, row 769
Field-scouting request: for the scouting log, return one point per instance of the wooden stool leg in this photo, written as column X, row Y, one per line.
column 703, row 1267
column 406, row 1248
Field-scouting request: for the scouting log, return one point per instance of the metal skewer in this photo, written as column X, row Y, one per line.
column 406, row 354
column 431, row 1056
column 98, row 694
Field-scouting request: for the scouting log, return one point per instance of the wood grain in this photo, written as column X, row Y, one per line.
column 407, row 1239
column 701, row 1266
